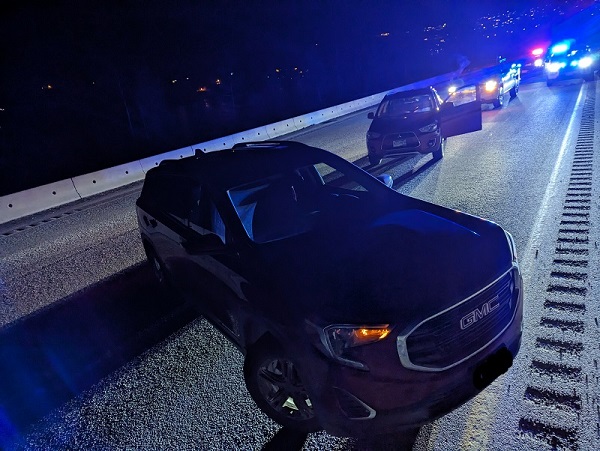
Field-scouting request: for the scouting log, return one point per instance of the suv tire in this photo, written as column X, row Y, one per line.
column 438, row 154
column 499, row 102
column 374, row 160
column 161, row 275
column 274, row 383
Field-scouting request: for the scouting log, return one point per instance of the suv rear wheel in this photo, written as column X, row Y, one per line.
column 274, row 383
column 160, row 272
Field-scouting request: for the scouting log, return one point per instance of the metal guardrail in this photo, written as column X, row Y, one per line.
column 33, row 200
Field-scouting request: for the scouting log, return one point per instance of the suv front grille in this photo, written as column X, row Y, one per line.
column 448, row 338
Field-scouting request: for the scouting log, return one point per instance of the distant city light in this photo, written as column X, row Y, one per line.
column 218, row 81
column 173, row 81
column 202, row 89
column 384, row 34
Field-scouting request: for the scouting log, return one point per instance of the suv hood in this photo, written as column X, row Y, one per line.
column 407, row 122
column 401, row 268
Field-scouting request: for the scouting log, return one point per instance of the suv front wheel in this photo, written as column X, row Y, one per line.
column 274, row 383
column 499, row 102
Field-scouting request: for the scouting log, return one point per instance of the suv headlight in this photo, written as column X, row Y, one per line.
column 429, row 128
column 338, row 340
column 373, row 135
column 585, row 62
column 554, row 67
column 491, row 85
column 511, row 244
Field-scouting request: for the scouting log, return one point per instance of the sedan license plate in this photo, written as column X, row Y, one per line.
column 399, row 143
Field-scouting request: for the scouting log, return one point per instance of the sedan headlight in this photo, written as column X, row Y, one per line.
column 491, row 85
column 373, row 135
column 429, row 128
column 340, row 339
column 585, row 62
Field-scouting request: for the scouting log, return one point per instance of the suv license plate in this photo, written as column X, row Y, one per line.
column 492, row 367
column 399, row 143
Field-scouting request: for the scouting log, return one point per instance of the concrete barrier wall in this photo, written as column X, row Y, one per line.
column 281, row 128
column 33, row 200
column 24, row 203
column 107, row 179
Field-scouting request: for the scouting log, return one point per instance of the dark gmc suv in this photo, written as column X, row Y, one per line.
column 359, row 310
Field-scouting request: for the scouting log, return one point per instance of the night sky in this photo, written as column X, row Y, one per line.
column 108, row 82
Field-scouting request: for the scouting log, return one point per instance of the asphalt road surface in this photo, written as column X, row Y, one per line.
column 95, row 356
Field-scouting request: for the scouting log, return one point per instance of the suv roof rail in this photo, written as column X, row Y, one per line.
column 260, row 145
column 254, row 145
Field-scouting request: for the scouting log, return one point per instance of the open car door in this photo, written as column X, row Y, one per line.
column 461, row 112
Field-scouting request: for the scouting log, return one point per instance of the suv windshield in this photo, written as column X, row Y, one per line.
column 291, row 203
column 397, row 106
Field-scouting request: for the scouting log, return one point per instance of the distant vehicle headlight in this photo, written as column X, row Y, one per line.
column 452, row 89
column 429, row 128
column 538, row 62
column 373, row 135
column 585, row 62
column 554, row 67
column 491, row 85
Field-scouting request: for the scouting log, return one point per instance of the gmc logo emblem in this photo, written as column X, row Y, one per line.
column 479, row 313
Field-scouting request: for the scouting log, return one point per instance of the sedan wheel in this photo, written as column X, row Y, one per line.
column 275, row 385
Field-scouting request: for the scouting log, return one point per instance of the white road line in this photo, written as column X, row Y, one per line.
column 529, row 257
column 482, row 408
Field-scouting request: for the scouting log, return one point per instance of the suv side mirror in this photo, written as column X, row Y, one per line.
column 371, row 115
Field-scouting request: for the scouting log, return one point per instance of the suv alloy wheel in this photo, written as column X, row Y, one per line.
column 275, row 385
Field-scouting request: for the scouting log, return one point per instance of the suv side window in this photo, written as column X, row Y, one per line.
column 204, row 216
column 170, row 195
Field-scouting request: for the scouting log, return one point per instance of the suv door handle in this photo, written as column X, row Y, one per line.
column 150, row 222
